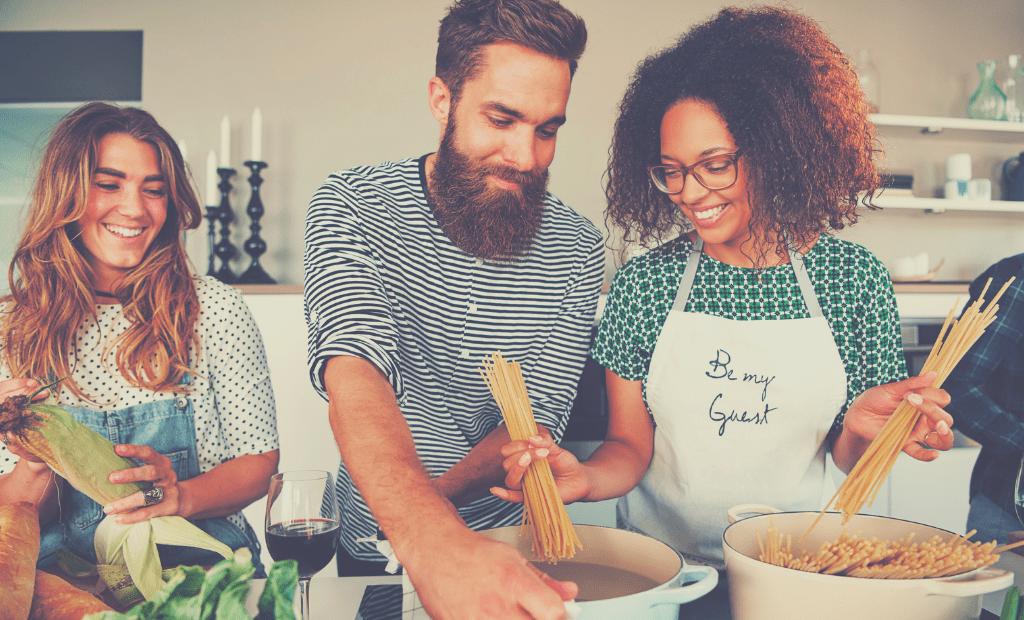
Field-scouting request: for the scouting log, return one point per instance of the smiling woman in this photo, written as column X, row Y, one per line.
column 126, row 209
column 168, row 364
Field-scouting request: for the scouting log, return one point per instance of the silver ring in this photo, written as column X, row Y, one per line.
column 928, row 443
column 153, row 496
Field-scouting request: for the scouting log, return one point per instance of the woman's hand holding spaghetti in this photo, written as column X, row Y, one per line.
column 570, row 477
column 872, row 409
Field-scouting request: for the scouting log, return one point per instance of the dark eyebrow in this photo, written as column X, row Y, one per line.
column 712, row 150
column 121, row 175
column 500, row 108
column 704, row 154
column 112, row 172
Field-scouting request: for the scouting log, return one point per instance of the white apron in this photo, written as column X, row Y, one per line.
column 741, row 410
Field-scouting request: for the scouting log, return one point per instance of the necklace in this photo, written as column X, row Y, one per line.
column 102, row 294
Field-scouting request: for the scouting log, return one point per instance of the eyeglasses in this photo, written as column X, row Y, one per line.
column 718, row 172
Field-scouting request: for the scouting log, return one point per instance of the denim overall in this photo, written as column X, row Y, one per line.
column 167, row 426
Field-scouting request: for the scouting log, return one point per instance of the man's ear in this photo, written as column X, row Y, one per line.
column 440, row 99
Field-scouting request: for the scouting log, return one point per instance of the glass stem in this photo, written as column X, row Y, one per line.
column 304, row 598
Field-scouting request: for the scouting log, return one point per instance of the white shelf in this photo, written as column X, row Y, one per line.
column 954, row 128
column 943, row 204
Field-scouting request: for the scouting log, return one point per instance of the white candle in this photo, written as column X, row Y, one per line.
column 183, row 148
column 257, row 134
column 211, row 179
column 225, row 142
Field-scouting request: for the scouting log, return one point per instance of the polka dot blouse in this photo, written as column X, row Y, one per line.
column 852, row 286
column 232, row 399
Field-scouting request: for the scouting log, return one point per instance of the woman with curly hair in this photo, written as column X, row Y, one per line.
column 740, row 352
column 167, row 365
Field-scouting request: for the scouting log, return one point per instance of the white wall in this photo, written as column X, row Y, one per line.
column 306, row 439
column 342, row 83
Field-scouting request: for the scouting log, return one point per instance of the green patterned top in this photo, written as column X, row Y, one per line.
column 852, row 285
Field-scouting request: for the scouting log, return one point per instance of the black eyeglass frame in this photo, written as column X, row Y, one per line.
column 691, row 171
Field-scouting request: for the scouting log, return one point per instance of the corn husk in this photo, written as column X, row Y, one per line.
column 85, row 459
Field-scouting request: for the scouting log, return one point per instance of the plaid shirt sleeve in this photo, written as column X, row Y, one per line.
column 987, row 386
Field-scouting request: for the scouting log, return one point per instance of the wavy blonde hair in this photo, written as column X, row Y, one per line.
column 50, row 279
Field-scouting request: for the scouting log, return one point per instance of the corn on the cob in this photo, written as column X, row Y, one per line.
column 72, row 450
column 85, row 459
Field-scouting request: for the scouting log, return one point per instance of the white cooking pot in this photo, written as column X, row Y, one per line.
column 676, row 583
column 758, row 590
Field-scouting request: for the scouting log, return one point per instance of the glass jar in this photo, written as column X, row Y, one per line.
column 1013, row 88
column 867, row 73
column 988, row 102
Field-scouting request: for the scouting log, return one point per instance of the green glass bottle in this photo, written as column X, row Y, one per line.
column 988, row 102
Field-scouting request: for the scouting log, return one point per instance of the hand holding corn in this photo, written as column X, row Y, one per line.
column 157, row 470
column 20, row 387
column 86, row 460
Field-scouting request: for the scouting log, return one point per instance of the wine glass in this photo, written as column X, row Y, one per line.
column 1018, row 498
column 302, row 524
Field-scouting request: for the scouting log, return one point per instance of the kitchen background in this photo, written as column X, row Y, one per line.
column 342, row 83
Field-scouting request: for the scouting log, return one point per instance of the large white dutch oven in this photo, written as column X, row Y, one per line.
column 676, row 582
column 759, row 591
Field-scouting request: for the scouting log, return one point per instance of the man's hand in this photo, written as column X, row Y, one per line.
column 459, row 574
column 479, row 578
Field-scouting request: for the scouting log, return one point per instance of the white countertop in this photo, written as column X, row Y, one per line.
column 330, row 598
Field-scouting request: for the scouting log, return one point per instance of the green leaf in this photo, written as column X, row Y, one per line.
column 277, row 602
column 231, row 605
column 190, row 590
column 223, row 576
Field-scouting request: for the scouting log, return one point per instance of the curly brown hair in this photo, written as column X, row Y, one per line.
column 793, row 105
column 51, row 281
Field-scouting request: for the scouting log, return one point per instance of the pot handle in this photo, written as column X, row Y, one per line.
column 763, row 509
column 703, row 579
column 984, row 581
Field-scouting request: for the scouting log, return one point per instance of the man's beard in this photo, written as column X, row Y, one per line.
column 484, row 221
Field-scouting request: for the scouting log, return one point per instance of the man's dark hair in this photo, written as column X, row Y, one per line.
column 544, row 26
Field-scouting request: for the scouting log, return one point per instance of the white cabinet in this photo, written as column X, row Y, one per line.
column 935, row 493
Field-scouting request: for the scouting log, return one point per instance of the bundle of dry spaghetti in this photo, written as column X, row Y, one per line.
column 853, row 556
column 862, row 484
column 553, row 535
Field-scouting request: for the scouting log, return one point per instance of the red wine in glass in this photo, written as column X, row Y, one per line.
column 302, row 524
column 311, row 543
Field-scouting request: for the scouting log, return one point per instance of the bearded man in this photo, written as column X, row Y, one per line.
column 415, row 271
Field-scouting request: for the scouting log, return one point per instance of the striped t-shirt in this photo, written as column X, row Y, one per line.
column 383, row 283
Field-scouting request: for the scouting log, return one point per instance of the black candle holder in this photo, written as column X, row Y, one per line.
column 212, row 215
column 255, row 246
column 224, row 249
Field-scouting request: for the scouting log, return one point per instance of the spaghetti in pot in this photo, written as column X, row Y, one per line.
column 853, row 556
column 553, row 535
column 902, row 559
